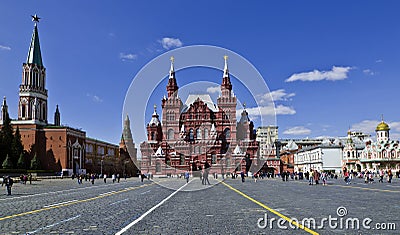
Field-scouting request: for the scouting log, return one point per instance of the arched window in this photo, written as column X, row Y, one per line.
column 23, row 110
column 43, row 111
column 205, row 133
column 214, row 159
column 152, row 135
column 170, row 135
column 227, row 133
column 198, row 133
column 158, row 167
column 191, row 134
column 348, row 154
column 182, row 159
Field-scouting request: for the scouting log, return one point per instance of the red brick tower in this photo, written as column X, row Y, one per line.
column 227, row 102
column 171, row 107
column 32, row 107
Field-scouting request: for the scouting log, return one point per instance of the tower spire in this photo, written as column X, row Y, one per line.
column 4, row 109
column 172, row 69
column 226, row 71
column 172, row 87
column 57, row 117
column 34, row 53
column 226, row 86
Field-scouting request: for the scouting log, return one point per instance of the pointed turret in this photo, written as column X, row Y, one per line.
column 226, row 86
column 57, row 117
column 172, row 87
column 154, row 118
column 34, row 53
column 4, row 109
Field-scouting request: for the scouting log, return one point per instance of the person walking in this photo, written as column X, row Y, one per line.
column 242, row 176
column 105, row 178
column 316, row 177
column 8, row 181
column 381, row 175
column 142, row 176
column 92, row 178
column 187, row 175
column 206, row 173
column 323, row 178
column 113, row 178
column 390, row 176
column 311, row 178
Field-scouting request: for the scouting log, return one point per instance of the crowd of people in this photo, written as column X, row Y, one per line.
column 92, row 177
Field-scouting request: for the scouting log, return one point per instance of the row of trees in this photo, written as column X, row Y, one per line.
column 12, row 154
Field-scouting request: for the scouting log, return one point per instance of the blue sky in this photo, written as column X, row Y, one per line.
column 93, row 49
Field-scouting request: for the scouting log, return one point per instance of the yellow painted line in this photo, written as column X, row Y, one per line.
column 72, row 202
column 271, row 210
column 356, row 187
column 370, row 189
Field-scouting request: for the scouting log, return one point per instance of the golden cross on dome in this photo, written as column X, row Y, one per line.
column 225, row 57
column 155, row 107
column 382, row 117
column 172, row 59
column 244, row 105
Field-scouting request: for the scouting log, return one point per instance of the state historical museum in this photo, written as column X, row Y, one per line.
column 199, row 131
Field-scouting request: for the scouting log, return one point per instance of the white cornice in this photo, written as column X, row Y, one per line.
column 36, row 122
column 33, row 94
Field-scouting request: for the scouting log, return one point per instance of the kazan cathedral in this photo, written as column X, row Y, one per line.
column 192, row 134
column 383, row 154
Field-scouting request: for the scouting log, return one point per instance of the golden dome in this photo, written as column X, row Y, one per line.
column 383, row 126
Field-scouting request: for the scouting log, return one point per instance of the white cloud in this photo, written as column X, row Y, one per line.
column 368, row 72
column 277, row 95
column 378, row 61
column 168, row 43
column 6, row 48
column 337, row 73
column 267, row 111
column 95, row 98
column 213, row 89
column 368, row 127
column 297, row 130
column 128, row 56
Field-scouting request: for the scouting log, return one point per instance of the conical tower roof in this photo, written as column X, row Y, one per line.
column 34, row 53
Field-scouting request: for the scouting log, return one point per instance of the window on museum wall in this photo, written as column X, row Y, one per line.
column 152, row 135
column 205, row 133
column 170, row 134
column 227, row 133
column 182, row 159
column 191, row 134
column 198, row 133
column 214, row 159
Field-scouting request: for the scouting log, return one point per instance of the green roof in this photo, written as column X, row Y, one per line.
column 34, row 54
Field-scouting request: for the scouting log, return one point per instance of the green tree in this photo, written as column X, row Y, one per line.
column 16, row 147
column 35, row 163
column 7, row 164
column 6, row 138
column 21, row 161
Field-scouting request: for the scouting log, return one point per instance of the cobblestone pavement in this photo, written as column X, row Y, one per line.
column 232, row 207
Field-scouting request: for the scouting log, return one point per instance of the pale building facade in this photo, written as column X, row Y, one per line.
column 383, row 154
